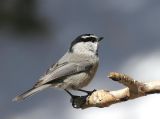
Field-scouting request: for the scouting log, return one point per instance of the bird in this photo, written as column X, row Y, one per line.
column 73, row 71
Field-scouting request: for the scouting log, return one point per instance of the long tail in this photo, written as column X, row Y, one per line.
column 31, row 92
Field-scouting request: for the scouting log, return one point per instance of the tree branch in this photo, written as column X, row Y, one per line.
column 104, row 98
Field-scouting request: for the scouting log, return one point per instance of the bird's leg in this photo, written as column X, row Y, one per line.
column 72, row 96
column 76, row 101
column 88, row 92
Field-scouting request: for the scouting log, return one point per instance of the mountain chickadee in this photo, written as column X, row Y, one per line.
column 74, row 70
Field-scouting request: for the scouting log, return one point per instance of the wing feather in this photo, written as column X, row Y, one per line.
column 64, row 70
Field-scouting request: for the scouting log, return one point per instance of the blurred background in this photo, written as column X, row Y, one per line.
column 35, row 33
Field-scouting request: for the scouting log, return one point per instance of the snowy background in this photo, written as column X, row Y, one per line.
column 35, row 33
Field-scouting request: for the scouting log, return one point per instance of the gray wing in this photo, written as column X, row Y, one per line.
column 54, row 67
column 64, row 70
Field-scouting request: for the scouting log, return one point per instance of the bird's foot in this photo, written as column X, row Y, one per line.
column 77, row 101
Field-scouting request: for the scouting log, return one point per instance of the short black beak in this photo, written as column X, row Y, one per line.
column 100, row 38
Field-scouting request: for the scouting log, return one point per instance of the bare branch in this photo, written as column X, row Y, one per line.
column 103, row 98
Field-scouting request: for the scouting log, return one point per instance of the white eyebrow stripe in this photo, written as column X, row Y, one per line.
column 93, row 36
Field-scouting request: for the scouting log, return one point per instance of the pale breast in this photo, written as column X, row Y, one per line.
column 80, row 80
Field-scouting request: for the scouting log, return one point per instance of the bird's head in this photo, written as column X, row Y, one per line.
column 86, row 44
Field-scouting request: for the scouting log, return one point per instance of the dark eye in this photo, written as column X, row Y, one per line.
column 92, row 39
column 89, row 40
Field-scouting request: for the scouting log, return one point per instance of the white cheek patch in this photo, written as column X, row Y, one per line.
column 88, row 48
column 93, row 46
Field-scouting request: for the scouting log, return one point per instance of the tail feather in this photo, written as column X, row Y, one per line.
column 31, row 92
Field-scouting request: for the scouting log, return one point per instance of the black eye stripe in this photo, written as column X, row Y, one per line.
column 83, row 38
column 92, row 39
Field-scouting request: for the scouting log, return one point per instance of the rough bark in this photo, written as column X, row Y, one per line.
column 104, row 98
